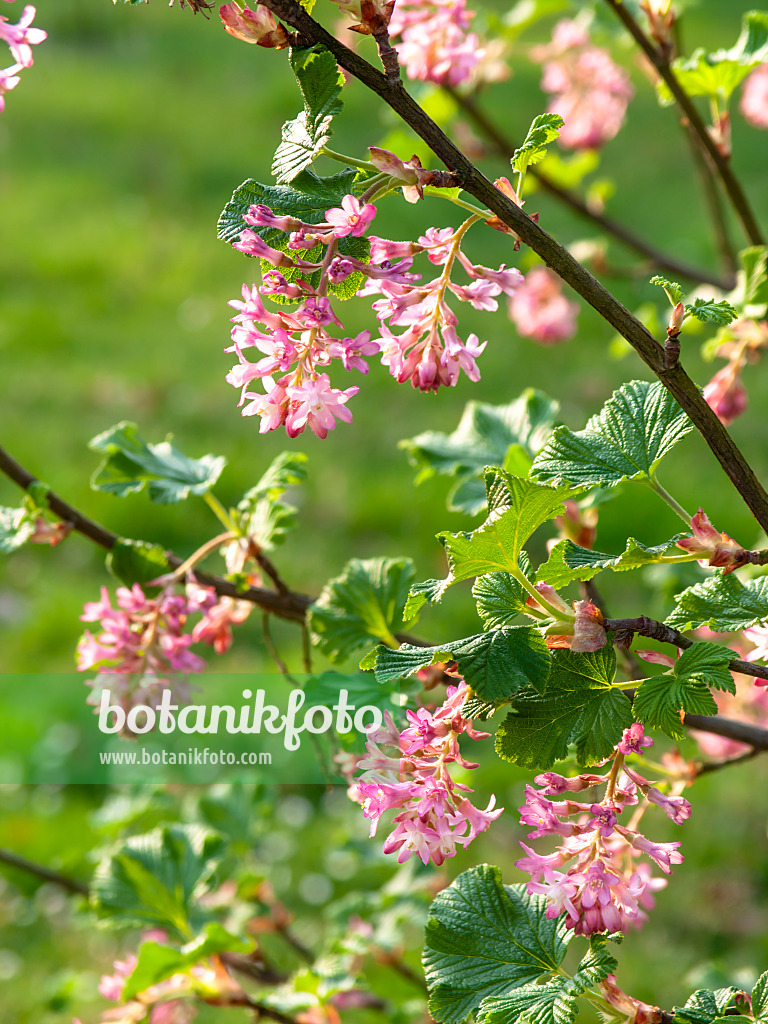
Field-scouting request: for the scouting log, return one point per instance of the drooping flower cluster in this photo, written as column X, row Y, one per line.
column 592, row 877
column 744, row 342
column 408, row 772
column 20, row 38
column 541, row 311
column 589, row 91
column 754, row 98
column 297, row 343
column 143, row 646
column 433, row 40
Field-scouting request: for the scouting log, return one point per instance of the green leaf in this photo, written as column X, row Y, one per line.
column 752, row 278
column 366, row 601
column 136, row 561
column 579, row 706
column 554, row 1002
column 711, row 312
column 717, row 74
column 544, row 129
column 495, row 665
column 597, row 964
column 131, row 465
column 157, row 880
column 261, row 513
column 636, row 428
column 760, row 998
column 306, row 197
column 672, row 288
column 16, row 527
column 659, row 701
column 320, row 82
column 707, row 663
column 705, row 1006
column 362, row 687
column 499, row 598
column 568, row 561
column 485, row 436
column 722, row 603
column 158, row 962
column 485, row 938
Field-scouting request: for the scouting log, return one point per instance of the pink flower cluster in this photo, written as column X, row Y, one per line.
column 20, row 39
column 589, row 91
column 754, row 98
column 298, row 343
column 143, row 647
column 725, row 393
column 540, row 310
column 602, row 888
column 408, row 771
column 435, row 44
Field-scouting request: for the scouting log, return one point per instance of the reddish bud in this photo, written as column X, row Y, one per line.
column 257, row 26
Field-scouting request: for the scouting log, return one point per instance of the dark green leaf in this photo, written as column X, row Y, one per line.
column 706, row 663
column 16, row 527
column 320, row 82
column 136, row 561
column 568, row 562
column 636, row 428
column 551, row 1003
column 496, row 665
column 366, row 601
column 711, row 312
column 659, row 702
column 262, row 514
column 705, row 1006
column 579, row 707
column 485, row 938
column 499, row 598
column 722, row 603
column 544, row 129
column 131, row 464
column 157, row 879
column 484, row 437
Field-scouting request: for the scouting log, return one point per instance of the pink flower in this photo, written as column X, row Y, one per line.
column 215, row 628
column 634, row 740
column 539, row 310
column 21, row 38
column 754, row 98
column 9, row 79
column 722, row 549
column 351, row 218
column 726, row 395
column 317, row 405
column 257, row 26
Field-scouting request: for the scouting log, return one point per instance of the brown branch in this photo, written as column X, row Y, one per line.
column 691, row 116
column 675, row 379
column 658, row 259
column 285, row 604
column 705, row 767
column 70, row 884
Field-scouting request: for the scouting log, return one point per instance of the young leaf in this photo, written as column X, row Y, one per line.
column 499, row 598
column 711, row 312
column 554, row 1002
column 752, row 278
column 262, row 514
column 131, row 465
column 136, row 561
column 495, row 665
column 320, row 82
column 16, row 527
column 722, row 603
column 485, row 436
column 672, row 288
column 706, row 663
column 659, row 702
column 568, row 561
column 705, row 1006
column 760, row 998
column 544, row 129
column 717, row 74
column 157, row 879
column 366, row 601
column 485, row 938
column 579, row 706
column 636, row 428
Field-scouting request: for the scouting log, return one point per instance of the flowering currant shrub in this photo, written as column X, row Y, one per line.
column 561, row 688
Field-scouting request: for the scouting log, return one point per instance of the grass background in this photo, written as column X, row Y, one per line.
column 117, row 152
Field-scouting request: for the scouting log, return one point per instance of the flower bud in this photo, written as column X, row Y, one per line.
column 257, row 26
column 676, row 320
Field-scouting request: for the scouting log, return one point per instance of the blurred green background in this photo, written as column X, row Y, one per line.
column 117, row 152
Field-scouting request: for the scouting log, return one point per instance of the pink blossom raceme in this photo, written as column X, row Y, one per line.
column 22, row 37
column 433, row 40
column 9, row 79
column 259, row 26
column 407, row 771
column 588, row 90
column 540, row 310
column 754, row 98
column 722, row 550
column 726, row 395
column 592, row 877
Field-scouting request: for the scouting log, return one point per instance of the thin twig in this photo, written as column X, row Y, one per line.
column 691, row 116
column 675, row 379
column 657, row 259
column 64, row 881
column 705, row 767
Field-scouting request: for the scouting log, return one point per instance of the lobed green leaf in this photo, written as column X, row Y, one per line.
column 722, row 603
column 545, row 128
column 568, row 561
column 261, row 513
column 16, row 527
